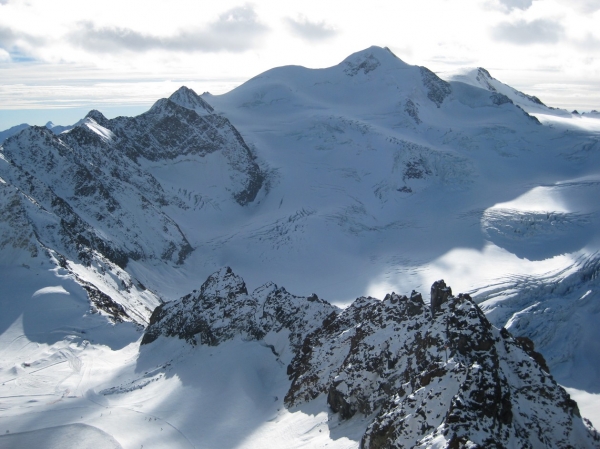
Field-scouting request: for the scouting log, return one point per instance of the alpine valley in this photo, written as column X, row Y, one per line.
column 125, row 321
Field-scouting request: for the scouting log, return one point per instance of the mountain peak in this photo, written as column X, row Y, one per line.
column 481, row 77
column 371, row 58
column 97, row 116
column 187, row 98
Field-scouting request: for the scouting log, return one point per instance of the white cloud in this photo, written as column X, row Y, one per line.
column 519, row 4
column 522, row 32
column 588, row 43
column 583, row 6
column 18, row 42
column 235, row 30
column 311, row 31
column 224, row 43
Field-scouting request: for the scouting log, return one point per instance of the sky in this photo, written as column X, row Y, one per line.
column 61, row 58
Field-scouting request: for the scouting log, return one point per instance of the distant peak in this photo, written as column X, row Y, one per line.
column 187, row 98
column 369, row 59
column 485, row 72
column 97, row 116
column 484, row 78
column 183, row 91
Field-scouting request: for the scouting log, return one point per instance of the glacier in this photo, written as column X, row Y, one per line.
column 364, row 178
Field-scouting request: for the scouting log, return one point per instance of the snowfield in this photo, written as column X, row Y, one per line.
column 369, row 177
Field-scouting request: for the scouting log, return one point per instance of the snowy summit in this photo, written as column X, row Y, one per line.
column 360, row 180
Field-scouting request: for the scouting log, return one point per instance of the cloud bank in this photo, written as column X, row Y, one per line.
column 519, row 4
column 583, row 6
column 522, row 32
column 236, row 30
column 311, row 31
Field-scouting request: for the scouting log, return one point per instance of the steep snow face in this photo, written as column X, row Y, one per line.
column 480, row 77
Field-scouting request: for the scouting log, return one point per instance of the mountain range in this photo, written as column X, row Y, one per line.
column 359, row 180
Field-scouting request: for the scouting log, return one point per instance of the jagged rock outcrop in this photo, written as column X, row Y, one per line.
column 223, row 309
column 94, row 194
column 447, row 379
column 98, row 194
column 439, row 294
column 95, row 199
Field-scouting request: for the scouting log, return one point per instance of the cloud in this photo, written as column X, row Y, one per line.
column 17, row 41
column 584, row 6
column 311, row 31
column 589, row 43
column 236, row 30
column 522, row 32
column 520, row 4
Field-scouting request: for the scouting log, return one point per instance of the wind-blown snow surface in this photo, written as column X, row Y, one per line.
column 363, row 178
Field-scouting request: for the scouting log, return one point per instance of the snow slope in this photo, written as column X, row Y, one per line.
column 101, row 387
column 367, row 177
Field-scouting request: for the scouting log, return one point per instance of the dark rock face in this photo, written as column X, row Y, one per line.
column 413, row 111
column 446, row 380
column 98, row 195
column 439, row 294
column 437, row 88
column 499, row 99
column 89, row 189
column 186, row 124
column 223, row 309
column 366, row 65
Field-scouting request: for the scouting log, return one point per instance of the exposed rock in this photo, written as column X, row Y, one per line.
column 439, row 294
column 223, row 309
column 446, row 380
column 366, row 65
column 499, row 99
column 413, row 111
column 437, row 88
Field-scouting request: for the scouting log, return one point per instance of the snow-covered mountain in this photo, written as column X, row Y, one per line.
column 364, row 178
column 425, row 376
column 56, row 129
column 480, row 77
column 12, row 131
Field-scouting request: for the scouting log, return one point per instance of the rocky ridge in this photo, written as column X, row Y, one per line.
column 223, row 309
column 87, row 195
column 437, row 375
